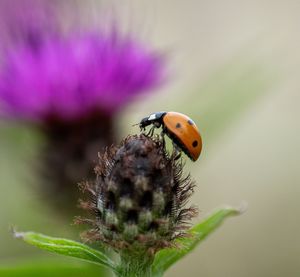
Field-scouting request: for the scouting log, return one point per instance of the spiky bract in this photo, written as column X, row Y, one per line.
column 138, row 197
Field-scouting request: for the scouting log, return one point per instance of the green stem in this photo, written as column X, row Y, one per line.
column 135, row 266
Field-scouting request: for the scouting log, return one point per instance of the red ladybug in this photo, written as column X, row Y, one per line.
column 180, row 128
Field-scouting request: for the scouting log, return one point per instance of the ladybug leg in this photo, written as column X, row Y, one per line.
column 176, row 152
column 162, row 134
column 151, row 131
column 142, row 129
column 178, row 155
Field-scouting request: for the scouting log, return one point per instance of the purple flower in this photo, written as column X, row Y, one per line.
column 22, row 20
column 67, row 77
column 69, row 84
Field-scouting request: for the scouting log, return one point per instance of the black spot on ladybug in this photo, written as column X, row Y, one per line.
column 195, row 143
column 178, row 125
column 191, row 122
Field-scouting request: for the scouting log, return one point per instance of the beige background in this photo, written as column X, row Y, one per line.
column 256, row 158
column 234, row 68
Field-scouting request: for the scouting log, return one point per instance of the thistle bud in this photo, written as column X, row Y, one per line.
column 137, row 198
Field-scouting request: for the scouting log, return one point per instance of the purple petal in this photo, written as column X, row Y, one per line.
column 69, row 77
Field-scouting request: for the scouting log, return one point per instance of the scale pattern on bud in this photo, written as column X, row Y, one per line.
column 138, row 197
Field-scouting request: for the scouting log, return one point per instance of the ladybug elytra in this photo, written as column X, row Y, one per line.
column 179, row 128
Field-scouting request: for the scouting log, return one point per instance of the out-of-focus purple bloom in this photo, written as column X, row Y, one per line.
column 70, row 80
column 22, row 20
column 72, row 76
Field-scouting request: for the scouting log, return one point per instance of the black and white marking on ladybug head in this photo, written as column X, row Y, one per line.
column 155, row 118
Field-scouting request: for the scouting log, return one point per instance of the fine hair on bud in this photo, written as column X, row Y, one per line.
column 137, row 201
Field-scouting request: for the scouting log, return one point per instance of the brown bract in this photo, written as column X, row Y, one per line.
column 137, row 200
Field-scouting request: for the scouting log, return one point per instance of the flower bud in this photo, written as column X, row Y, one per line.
column 137, row 199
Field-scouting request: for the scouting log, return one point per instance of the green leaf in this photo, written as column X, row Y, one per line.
column 49, row 269
column 167, row 257
column 67, row 247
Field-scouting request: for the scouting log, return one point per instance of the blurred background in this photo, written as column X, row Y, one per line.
column 233, row 66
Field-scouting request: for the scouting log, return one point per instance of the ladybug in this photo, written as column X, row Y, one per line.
column 179, row 128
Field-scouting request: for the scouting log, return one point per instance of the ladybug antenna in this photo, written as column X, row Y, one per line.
column 139, row 124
